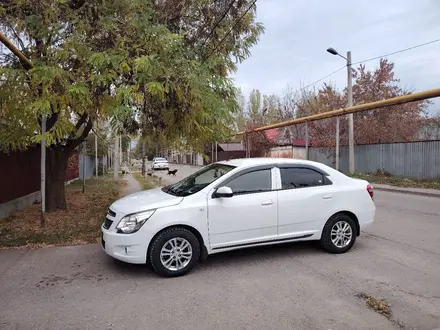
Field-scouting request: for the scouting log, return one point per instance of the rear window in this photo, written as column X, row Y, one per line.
column 292, row 178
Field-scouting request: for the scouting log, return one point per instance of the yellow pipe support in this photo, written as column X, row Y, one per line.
column 357, row 108
column 23, row 59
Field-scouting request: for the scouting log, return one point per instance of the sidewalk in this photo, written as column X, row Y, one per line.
column 133, row 185
column 413, row 191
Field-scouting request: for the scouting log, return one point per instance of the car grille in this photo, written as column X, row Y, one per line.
column 111, row 213
column 107, row 223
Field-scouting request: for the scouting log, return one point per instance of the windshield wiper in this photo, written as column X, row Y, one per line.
column 169, row 190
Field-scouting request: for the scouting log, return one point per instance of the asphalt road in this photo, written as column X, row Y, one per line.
column 291, row 286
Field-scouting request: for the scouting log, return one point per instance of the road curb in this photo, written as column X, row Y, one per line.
column 408, row 192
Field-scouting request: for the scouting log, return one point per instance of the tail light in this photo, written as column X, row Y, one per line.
column 370, row 191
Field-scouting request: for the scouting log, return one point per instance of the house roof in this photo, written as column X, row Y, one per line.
column 273, row 136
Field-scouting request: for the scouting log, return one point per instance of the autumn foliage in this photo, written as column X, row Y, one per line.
column 392, row 124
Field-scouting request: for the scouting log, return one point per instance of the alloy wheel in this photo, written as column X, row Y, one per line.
column 176, row 254
column 341, row 234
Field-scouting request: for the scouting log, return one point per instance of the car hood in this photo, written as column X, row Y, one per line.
column 144, row 200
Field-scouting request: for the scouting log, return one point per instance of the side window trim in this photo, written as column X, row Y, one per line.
column 308, row 167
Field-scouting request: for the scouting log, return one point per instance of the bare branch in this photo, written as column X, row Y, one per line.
column 72, row 144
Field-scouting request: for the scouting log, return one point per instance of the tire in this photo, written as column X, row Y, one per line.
column 164, row 242
column 335, row 223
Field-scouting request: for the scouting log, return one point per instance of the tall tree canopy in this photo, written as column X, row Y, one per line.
column 97, row 59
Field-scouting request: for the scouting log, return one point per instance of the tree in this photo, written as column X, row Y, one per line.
column 393, row 124
column 97, row 59
column 197, row 101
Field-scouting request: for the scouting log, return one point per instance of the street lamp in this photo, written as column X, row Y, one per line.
column 350, row 116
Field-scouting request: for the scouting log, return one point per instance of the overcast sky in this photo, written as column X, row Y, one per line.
column 297, row 33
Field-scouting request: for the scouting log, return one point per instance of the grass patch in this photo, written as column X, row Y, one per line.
column 378, row 305
column 398, row 181
column 79, row 224
column 147, row 183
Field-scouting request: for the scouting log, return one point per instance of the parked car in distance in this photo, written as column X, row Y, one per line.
column 159, row 163
column 238, row 204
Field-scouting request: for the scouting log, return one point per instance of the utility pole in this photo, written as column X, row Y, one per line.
column 96, row 156
column 337, row 144
column 116, row 160
column 307, row 141
column 43, row 172
column 129, row 150
column 84, row 166
column 350, row 116
column 143, row 158
column 120, row 149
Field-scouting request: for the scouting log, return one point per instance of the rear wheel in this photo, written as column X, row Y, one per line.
column 174, row 252
column 339, row 234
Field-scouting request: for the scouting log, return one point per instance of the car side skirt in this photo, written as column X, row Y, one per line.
column 265, row 242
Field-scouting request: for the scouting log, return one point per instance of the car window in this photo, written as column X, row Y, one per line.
column 295, row 177
column 211, row 175
column 197, row 181
column 252, row 182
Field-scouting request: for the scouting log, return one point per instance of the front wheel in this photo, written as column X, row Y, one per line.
column 339, row 234
column 174, row 252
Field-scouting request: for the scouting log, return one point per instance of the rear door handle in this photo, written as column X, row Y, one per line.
column 267, row 203
column 328, row 196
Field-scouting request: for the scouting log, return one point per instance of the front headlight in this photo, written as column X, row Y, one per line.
column 133, row 222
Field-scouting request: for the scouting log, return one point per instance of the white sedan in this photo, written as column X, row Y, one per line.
column 160, row 163
column 236, row 204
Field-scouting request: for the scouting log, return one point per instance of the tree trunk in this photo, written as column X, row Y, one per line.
column 56, row 166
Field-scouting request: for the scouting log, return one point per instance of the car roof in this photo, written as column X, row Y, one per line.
column 249, row 162
column 245, row 162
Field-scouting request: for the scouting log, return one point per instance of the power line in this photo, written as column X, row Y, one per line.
column 218, row 22
column 397, row 52
column 229, row 32
column 317, row 81
column 372, row 59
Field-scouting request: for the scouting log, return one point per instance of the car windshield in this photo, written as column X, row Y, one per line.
column 160, row 160
column 197, row 181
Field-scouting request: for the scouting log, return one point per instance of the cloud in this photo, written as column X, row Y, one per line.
column 293, row 49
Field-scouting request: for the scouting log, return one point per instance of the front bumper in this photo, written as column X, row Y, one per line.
column 125, row 247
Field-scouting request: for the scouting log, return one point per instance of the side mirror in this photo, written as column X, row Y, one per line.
column 224, row 192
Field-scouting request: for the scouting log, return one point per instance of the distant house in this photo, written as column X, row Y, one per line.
column 288, row 143
column 429, row 130
column 286, row 137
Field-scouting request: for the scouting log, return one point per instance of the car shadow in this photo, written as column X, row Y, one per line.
column 263, row 253
column 242, row 257
column 122, row 269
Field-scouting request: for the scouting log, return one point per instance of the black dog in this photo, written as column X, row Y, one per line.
column 150, row 174
column 173, row 172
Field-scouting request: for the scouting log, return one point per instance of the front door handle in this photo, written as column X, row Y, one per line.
column 267, row 202
column 328, row 196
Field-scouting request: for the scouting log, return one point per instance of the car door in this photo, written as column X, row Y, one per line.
column 250, row 215
column 304, row 196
